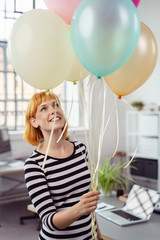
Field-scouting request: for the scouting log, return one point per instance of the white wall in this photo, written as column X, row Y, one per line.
column 149, row 92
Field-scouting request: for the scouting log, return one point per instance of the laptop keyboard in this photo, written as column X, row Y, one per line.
column 125, row 215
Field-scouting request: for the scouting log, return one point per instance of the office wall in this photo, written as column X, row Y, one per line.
column 149, row 12
column 149, row 92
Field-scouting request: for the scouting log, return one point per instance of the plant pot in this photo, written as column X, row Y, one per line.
column 138, row 108
column 120, row 192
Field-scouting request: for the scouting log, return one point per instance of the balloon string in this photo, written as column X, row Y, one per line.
column 62, row 132
column 117, row 124
column 109, row 117
column 82, row 112
column 101, row 134
column 135, row 151
column 90, row 78
column 50, row 138
column 128, row 104
column 92, row 137
column 82, row 93
column 131, row 158
column 68, row 116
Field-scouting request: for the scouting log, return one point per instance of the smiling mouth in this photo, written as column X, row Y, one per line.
column 54, row 119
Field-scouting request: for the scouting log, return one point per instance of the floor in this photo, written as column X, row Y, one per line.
column 10, row 222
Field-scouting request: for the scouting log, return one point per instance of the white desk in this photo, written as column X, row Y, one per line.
column 11, row 167
column 143, row 231
column 12, row 185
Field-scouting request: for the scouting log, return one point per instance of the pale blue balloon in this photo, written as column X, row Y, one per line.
column 104, row 34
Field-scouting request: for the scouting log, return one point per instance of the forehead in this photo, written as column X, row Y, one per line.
column 47, row 101
column 43, row 97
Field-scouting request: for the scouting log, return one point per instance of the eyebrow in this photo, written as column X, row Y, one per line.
column 44, row 104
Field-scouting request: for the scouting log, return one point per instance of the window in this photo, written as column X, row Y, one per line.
column 14, row 92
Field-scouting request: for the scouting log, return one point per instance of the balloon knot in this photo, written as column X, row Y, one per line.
column 75, row 82
column 119, row 96
column 48, row 91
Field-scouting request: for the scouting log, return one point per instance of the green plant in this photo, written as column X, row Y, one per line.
column 137, row 104
column 113, row 177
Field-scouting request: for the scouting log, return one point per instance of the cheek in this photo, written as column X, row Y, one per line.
column 63, row 119
column 40, row 117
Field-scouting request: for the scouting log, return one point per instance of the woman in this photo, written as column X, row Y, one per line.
column 60, row 191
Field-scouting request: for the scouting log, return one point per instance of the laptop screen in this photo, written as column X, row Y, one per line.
column 141, row 201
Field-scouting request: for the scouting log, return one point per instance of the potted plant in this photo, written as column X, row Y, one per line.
column 138, row 105
column 112, row 177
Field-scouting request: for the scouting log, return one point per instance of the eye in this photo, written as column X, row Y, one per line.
column 55, row 104
column 43, row 109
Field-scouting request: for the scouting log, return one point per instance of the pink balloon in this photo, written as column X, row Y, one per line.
column 64, row 8
column 136, row 2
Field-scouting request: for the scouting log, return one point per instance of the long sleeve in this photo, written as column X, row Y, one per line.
column 39, row 192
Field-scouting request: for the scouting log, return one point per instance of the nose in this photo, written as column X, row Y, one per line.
column 52, row 109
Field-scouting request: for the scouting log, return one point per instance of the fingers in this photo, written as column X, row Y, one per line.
column 89, row 201
column 92, row 193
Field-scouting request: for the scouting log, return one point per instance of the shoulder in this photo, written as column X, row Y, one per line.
column 34, row 159
column 78, row 143
column 79, row 146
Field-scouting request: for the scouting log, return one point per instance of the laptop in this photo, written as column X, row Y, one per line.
column 138, row 207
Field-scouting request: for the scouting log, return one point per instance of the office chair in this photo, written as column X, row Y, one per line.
column 34, row 216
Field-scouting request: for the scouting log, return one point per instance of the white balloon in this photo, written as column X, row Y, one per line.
column 40, row 49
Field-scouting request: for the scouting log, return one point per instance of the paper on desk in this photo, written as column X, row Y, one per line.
column 2, row 163
column 103, row 206
column 17, row 163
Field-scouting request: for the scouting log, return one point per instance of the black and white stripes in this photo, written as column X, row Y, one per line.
column 58, row 187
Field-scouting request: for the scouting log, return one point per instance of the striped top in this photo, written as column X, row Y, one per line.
column 59, row 186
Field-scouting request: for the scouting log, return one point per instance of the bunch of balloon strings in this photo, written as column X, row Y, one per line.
column 100, row 130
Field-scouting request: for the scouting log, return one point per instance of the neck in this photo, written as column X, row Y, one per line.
column 62, row 149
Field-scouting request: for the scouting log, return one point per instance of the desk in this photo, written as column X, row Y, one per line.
column 11, row 167
column 12, row 185
column 143, row 231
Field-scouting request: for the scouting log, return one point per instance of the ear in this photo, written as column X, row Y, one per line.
column 33, row 122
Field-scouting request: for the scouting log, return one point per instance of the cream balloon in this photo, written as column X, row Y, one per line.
column 138, row 68
column 77, row 72
column 40, row 48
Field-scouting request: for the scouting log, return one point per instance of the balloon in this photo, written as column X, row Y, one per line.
column 63, row 8
column 138, row 68
column 104, row 34
column 136, row 2
column 40, row 48
column 78, row 71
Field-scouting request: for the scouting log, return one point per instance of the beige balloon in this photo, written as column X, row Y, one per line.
column 138, row 68
column 78, row 71
column 40, row 48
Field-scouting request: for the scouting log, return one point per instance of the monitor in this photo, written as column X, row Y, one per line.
column 4, row 140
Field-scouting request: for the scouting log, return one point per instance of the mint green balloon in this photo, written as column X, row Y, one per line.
column 104, row 34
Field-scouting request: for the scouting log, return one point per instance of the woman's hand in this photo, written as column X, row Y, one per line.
column 86, row 205
column 88, row 202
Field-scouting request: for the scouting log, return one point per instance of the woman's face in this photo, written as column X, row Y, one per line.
column 48, row 112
